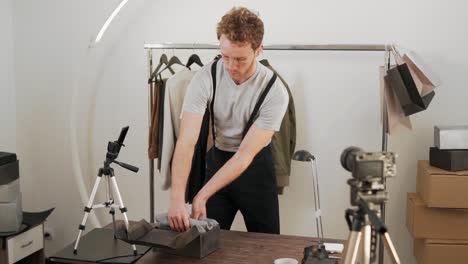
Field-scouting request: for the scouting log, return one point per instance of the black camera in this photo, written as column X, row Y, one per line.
column 369, row 170
column 368, row 166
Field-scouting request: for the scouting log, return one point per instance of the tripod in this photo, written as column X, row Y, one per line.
column 113, row 149
column 360, row 222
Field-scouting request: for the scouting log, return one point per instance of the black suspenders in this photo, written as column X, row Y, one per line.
column 213, row 76
column 254, row 114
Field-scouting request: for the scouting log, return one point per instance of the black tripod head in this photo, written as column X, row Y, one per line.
column 113, row 150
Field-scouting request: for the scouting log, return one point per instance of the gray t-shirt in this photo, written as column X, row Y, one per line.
column 235, row 103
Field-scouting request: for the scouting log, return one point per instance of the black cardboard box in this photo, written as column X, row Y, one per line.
column 199, row 248
column 6, row 157
column 9, row 170
column 451, row 160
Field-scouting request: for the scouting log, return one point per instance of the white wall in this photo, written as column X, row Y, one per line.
column 51, row 39
column 66, row 91
column 7, row 86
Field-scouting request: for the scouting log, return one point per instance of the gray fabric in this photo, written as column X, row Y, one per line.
column 203, row 225
column 235, row 103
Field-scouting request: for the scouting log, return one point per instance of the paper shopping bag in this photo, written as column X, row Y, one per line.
column 395, row 117
column 399, row 78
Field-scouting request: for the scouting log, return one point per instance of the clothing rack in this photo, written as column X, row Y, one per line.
column 288, row 47
column 337, row 47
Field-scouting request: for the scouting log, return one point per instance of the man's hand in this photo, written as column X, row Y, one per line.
column 178, row 216
column 198, row 206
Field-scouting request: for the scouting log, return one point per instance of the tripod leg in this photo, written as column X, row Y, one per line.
column 112, row 212
column 87, row 210
column 122, row 207
column 111, row 205
column 366, row 244
column 387, row 241
column 352, row 248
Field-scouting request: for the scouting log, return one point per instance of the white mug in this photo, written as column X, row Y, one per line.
column 285, row 261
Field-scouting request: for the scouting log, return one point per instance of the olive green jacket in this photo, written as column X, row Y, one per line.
column 283, row 142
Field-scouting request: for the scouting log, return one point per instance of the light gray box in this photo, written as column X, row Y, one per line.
column 11, row 215
column 9, row 192
column 451, row 137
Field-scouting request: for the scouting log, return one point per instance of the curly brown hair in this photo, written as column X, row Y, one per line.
column 241, row 25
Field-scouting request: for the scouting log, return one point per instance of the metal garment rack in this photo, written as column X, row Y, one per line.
column 337, row 47
column 288, row 47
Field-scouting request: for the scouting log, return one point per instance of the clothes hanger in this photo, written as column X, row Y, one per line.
column 194, row 58
column 162, row 61
column 172, row 61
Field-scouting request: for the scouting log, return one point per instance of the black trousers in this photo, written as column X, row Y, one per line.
column 254, row 193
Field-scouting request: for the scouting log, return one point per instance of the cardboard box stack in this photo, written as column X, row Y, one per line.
column 437, row 215
column 11, row 213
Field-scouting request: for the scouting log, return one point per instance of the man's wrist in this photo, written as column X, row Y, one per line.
column 202, row 195
column 177, row 197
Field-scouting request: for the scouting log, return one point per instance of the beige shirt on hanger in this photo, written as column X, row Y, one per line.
column 173, row 100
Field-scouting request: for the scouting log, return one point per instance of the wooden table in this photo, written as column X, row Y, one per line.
column 243, row 247
column 237, row 248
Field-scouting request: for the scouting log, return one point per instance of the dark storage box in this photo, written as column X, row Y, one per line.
column 200, row 247
column 6, row 157
column 9, row 170
column 451, row 160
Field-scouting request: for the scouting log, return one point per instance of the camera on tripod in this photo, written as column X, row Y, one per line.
column 368, row 193
column 369, row 171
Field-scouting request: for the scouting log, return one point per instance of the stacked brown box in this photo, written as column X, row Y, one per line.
column 433, row 251
column 437, row 215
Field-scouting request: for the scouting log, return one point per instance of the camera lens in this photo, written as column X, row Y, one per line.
column 348, row 157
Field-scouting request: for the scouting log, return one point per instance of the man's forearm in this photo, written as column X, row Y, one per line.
column 181, row 165
column 233, row 168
